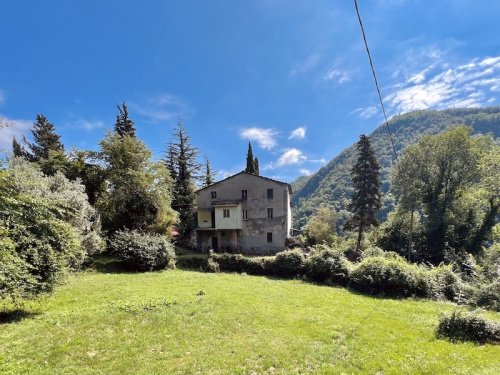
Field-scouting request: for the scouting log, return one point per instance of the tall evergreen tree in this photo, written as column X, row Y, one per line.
column 250, row 160
column 256, row 166
column 45, row 139
column 209, row 177
column 366, row 201
column 124, row 125
column 182, row 157
column 17, row 149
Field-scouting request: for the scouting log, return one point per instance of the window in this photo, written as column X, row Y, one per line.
column 269, row 213
column 270, row 193
column 214, row 195
column 225, row 212
column 269, row 236
column 243, row 194
column 245, row 214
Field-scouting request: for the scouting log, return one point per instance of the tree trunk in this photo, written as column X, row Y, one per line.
column 360, row 237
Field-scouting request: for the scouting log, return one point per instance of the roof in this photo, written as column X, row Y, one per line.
column 250, row 174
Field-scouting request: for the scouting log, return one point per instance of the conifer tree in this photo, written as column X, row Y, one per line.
column 209, row 177
column 124, row 125
column 256, row 167
column 250, row 160
column 182, row 159
column 45, row 139
column 366, row 201
column 17, row 149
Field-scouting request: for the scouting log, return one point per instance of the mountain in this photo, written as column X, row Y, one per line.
column 332, row 184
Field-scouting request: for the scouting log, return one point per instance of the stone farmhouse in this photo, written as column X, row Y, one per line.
column 244, row 213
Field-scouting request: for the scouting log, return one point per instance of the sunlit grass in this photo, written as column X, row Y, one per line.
column 188, row 322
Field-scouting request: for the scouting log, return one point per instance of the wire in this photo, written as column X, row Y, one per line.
column 375, row 78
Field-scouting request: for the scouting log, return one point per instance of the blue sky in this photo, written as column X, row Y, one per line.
column 291, row 76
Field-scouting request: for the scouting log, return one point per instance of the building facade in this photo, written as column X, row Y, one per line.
column 244, row 213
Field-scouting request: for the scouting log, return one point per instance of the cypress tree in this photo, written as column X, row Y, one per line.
column 209, row 178
column 124, row 125
column 45, row 139
column 366, row 201
column 250, row 160
column 256, row 167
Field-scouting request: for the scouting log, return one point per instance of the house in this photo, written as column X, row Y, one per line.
column 244, row 213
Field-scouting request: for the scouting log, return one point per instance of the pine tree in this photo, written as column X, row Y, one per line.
column 250, row 160
column 45, row 139
column 182, row 158
column 209, row 178
column 17, row 149
column 124, row 125
column 366, row 201
column 256, row 167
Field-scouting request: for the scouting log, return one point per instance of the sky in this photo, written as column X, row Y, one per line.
column 291, row 76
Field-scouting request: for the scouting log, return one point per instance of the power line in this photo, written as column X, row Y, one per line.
column 375, row 78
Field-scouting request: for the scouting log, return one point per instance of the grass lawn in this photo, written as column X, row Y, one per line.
column 190, row 322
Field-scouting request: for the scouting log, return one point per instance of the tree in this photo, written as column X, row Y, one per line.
column 451, row 178
column 321, row 227
column 45, row 139
column 250, row 160
column 124, row 125
column 256, row 166
column 18, row 150
column 209, row 177
column 138, row 196
column 87, row 166
column 366, row 201
column 182, row 160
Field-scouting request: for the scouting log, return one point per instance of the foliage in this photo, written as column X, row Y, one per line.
column 139, row 191
column 391, row 277
column 366, row 200
column 288, row 263
column 45, row 139
column 183, row 165
column 331, row 184
column 124, row 125
column 143, row 251
column 241, row 264
column 39, row 235
column 326, row 265
column 321, row 227
column 252, row 163
column 459, row 326
column 209, row 175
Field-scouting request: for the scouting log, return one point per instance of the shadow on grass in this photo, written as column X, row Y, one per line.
column 15, row 315
column 110, row 264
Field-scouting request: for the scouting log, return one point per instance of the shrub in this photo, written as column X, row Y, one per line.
column 293, row 242
column 460, row 326
column 378, row 275
column 447, row 284
column 488, row 296
column 288, row 263
column 142, row 251
column 239, row 263
column 327, row 265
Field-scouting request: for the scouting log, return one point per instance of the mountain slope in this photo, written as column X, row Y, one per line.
column 332, row 183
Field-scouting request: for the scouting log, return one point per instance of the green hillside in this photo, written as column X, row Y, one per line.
column 331, row 184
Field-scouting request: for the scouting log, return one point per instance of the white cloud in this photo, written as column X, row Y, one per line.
column 320, row 161
column 298, row 133
column 305, row 172
column 87, row 124
column 468, row 85
column 289, row 156
column 12, row 128
column 162, row 108
column 337, row 75
column 305, row 66
column 265, row 138
column 366, row 112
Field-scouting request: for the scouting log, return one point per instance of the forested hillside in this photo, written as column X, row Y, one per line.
column 332, row 184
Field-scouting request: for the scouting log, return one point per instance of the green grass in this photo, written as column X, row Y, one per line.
column 154, row 323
